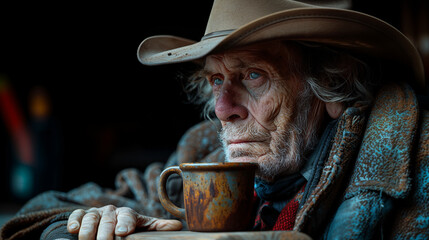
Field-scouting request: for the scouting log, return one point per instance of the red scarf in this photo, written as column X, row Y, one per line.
column 286, row 218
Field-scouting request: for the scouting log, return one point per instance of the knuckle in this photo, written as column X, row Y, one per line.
column 127, row 210
column 76, row 215
column 108, row 221
column 127, row 215
column 91, row 210
column 85, row 230
column 78, row 211
column 91, row 217
column 109, row 208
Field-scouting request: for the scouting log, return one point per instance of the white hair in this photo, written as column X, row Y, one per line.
column 333, row 76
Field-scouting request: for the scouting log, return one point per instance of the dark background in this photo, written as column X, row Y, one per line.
column 110, row 112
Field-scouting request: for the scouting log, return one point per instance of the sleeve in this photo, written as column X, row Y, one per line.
column 412, row 219
column 360, row 217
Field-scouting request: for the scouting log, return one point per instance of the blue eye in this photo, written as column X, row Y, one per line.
column 217, row 81
column 254, row 75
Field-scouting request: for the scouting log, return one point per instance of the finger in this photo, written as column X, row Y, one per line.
column 106, row 227
column 156, row 224
column 88, row 228
column 126, row 221
column 168, row 225
column 74, row 220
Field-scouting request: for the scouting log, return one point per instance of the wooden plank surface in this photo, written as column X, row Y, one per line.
column 188, row 235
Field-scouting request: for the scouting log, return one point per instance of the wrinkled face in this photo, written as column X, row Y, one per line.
column 257, row 100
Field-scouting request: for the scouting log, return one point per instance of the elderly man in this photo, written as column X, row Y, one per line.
column 322, row 99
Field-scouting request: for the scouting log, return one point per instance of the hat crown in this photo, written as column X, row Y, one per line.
column 235, row 23
column 232, row 14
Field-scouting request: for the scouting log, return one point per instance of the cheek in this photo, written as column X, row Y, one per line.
column 278, row 111
column 287, row 109
column 267, row 109
column 276, row 106
column 271, row 108
column 285, row 113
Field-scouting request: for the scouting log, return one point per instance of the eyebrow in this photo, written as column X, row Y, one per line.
column 205, row 71
column 240, row 65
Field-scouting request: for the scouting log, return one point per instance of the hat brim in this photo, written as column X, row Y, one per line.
column 347, row 29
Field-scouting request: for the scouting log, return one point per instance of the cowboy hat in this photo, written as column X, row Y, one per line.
column 240, row 22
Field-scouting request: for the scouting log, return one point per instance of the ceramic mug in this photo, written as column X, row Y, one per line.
column 217, row 196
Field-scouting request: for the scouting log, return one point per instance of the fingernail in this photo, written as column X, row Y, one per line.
column 74, row 226
column 121, row 229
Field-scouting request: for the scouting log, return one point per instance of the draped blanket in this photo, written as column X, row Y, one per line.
column 134, row 189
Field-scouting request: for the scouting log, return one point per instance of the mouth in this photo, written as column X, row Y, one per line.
column 245, row 149
column 245, row 143
column 242, row 141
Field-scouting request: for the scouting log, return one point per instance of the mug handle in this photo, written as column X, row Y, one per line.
column 163, row 196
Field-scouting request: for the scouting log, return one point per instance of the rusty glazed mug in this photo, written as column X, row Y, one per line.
column 217, row 196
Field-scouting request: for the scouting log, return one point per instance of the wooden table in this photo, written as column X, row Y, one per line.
column 188, row 235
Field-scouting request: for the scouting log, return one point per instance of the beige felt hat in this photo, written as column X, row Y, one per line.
column 234, row 23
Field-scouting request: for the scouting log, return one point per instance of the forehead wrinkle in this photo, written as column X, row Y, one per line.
column 260, row 55
column 225, row 61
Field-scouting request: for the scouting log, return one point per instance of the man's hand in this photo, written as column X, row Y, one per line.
column 108, row 221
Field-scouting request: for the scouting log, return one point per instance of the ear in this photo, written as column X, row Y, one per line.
column 334, row 109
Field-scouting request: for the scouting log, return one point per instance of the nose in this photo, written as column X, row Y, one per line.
column 229, row 106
